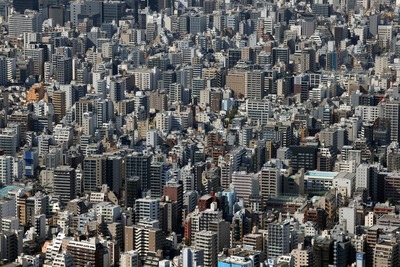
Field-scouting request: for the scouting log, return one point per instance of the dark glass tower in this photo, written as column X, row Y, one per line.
column 21, row 5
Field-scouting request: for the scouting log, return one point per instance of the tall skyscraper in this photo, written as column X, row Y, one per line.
column 392, row 112
column 8, row 143
column 5, row 9
column 270, row 181
column 209, row 6
column 192, row 257
column 303, row 256
column 386, row 253
column 174, row 191
column 281, row 54
column 93, row 173
column 113, row 11
column 37, row 54
column 198, row 24
column 138, row 164
column 129, row 259
column 114, row 173
column 254, row 84
column 278, row 239
column 29, row 21
column 304, row 157
column 56, row 12
column 59, row 102
column 133, row 187
column 6, row 169
column 88, row 123
column 92, row 10
column 208, row 242
column 9, row 248
column 87, row 251
column 198, row 84
column 144, row 237
column 64, row 183
column 64, row 70
column 21, row 6
column 117, row 89
column 156, row 179
column 3, row 71
column 147, row 208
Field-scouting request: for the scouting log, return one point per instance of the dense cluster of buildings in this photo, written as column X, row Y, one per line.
column 188, row 133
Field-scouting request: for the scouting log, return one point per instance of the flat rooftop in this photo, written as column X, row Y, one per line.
column 4, row 191
column 320, row 174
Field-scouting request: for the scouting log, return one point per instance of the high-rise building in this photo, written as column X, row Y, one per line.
column 92, row 10
column 56, row 12
column 81, row 107
column 29, row 21
column 39, row 225
column 198, row 84
column 245, row 135
column 340, row 34
column 304, row 157
column 209, row 6
column 21, row 6
column 270, row 181
column 147, row 238
column 129, row 259
column 147, row 208
column 234, row 55
column 64, row 70
column 192, row 257
column 347, row 216
column 157, row 180
column 385, row 35
column 6, row 170
column 9, row 248
column 5, row 9
column 175, row 92
column 392, row 186
column 117, row 89
column 222, row 228
column 3, row 71
column 245, row 184
column 308, row 26
column 88, row 123
column 93, row 173
column 8, row 143
column 208, row 242
column 386, row 253
column 258, row 110
column 303, row 256
column 64, row 183
column 183, row 24
column 38, row 56
column 133, row 187
column 174, row 191
column 87, row 251
column 392, row 112
column 59, row 102
column 113, row 11
column 137, row 164
column 254, row 84
column 114, row 173
column 281, row 54
column 198, row 24
column 278, row 239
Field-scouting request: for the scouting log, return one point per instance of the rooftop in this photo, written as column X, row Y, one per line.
column 4, row 191
column 321, row 174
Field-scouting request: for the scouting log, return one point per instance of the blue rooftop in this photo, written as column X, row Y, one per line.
column 4, row 191
column 319, row 174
